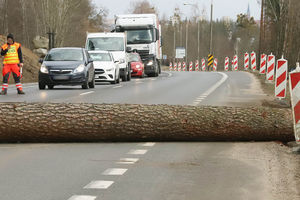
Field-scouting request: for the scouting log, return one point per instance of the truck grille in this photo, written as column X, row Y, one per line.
column 143, row 53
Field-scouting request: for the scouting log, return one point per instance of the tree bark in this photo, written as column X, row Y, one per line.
column 21, row 122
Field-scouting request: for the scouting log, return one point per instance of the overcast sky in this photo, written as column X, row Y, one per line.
column 222, row 8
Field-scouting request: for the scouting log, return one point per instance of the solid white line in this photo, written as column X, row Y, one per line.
column 99, row 185
column 153, row 79
column 148, row 144
column 114, row 171
column 87, row 93
column 128, row 161
column 138, row 152
column 82, row 197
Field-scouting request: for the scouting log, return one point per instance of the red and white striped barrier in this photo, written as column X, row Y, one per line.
column 226, row 65
column 263, row 62
column 253, row 61
column 270, row 67
column 203, row 64
column 171, row 66
column 236, row 63
column 281, row 78
column 191, row 66
column 175, row 66
column 295, row 97
column 215, row 67
column 197, row 65
column 184, row 66
column 179, row 66
column 246, row 61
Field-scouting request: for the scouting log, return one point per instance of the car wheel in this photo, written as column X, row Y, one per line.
column 129, row 75
column 50, row 87
column 124, row 78
column 85, row 85
column 92, row 83
column 42, row 86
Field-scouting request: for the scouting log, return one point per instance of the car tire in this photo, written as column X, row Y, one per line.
column 50, row 87
column 92, row 83
column 42, row 86
column 129, row 76
column 85, row 85
column 124, row 78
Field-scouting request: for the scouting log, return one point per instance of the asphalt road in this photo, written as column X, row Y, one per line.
column 146, row 171
column 173, row 88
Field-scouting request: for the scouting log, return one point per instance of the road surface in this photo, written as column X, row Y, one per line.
column 146, row 171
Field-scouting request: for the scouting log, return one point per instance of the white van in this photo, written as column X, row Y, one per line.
column 114, row 43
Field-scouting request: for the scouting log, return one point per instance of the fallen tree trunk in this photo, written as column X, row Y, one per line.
column 22, row 122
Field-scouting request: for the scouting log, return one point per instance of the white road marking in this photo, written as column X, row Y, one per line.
column 99, row 185
column 114, row 171
column 211, row 90
column 148, row 144
column 119, row 86
column 153, row 79
column 128, row 161
column 87, row 93
column 138, row 152
column 169, row 74
column 82, row 197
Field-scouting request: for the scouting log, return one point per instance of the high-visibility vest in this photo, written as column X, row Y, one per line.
column 12, row 56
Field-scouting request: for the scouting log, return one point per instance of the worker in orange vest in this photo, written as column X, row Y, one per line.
column 13, row 62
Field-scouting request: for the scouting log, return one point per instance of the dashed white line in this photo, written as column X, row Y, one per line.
column 148, row 144
column 114, row 171
column 138, row 152
column 87, row 93
column 128, row 161
column 99, row 184
column 119, row 86
column 82, row 197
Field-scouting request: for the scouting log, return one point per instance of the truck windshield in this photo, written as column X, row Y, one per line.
column 140, row 36
column 106, row 44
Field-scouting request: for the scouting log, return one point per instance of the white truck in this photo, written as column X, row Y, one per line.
column 144, row 37
column 114, row 43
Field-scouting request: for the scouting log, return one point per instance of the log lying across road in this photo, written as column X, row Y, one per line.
column 34, row 122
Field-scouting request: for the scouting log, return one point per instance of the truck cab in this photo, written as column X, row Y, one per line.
column 144, row 37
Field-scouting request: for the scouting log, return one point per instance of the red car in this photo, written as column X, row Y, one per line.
column 137, row 66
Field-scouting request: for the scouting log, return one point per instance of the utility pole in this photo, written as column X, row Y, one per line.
column 186, row 41
column 262, row 28
column 211, row 28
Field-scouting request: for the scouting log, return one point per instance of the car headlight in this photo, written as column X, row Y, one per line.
column 121, row 61
column 79, row 69
column 150, row 63
column 44, row 69
column 110, row 69
column 138, row 66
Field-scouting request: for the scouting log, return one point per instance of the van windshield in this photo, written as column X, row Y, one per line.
column 140, row 36
column 106, row 44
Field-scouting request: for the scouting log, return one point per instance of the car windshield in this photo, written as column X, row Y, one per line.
column 65, row 55
column 139, row 36
column 134, row 58
column 100, row 56
column 106, row 44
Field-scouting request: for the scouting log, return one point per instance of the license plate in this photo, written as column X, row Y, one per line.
column 61, row 78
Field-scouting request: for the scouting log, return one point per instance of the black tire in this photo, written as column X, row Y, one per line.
column 50, row 87
column 85, row 85
column 42, row 86
column 125, row 77
column 92, row 83
column 129, row 76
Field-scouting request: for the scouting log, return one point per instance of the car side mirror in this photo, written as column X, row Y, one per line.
column 41, row 60
column 116, row 61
